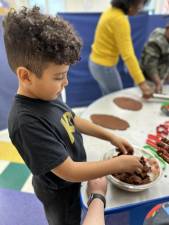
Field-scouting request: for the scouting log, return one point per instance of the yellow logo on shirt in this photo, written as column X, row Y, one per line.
column 69, row 127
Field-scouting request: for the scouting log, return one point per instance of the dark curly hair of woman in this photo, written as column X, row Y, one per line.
column 124, row 5
column 33, row 40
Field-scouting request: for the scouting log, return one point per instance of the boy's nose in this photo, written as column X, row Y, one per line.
column 65, row 82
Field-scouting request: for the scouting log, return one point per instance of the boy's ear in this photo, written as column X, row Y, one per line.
column 24, row 74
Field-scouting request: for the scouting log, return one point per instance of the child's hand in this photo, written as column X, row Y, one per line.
column 97, row 186
column 122, row 144
column 128, row 163
column 147, row 92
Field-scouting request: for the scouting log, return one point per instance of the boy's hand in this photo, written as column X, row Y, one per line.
column 124, row 146
column 128, row 163
column 97, row 186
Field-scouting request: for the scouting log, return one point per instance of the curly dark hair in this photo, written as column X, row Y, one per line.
column 33, row 40
column 124, row 5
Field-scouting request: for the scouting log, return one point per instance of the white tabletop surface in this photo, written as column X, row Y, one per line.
column 141, row 123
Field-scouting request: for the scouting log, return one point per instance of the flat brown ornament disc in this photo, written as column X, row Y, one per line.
column 111, row 122
column 128, row 103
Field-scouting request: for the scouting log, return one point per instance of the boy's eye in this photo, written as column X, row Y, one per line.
column 62, row 77
column 59, row 78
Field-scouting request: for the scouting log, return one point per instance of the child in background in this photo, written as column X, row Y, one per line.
column 155, row 57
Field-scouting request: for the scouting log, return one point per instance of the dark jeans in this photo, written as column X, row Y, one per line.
column 62, row 207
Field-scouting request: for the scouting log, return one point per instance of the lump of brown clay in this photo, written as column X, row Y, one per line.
column 128, row 103
column 111, row 122
column 136, row 178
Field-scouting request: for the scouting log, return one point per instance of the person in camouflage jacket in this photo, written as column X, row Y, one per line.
column 155, row 57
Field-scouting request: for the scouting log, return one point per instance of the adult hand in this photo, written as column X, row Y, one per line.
column 123, row 145
column 146, row 90
column 98, row 186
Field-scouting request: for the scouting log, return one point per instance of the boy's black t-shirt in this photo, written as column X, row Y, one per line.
column 44, row 134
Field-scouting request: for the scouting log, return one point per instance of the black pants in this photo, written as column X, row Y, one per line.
column 62, row 207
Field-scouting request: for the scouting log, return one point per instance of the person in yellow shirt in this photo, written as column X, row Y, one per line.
column 113, row 39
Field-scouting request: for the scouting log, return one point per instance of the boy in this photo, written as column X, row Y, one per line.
column 44, row 130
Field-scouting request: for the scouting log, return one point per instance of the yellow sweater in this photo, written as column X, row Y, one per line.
column 113, row 39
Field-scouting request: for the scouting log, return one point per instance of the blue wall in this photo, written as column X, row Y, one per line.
column 8, row 83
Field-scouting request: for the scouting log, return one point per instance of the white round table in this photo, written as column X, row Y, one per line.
column 141, row 123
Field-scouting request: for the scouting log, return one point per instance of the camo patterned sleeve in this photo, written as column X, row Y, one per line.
column 150, row 59
column 155, row 55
